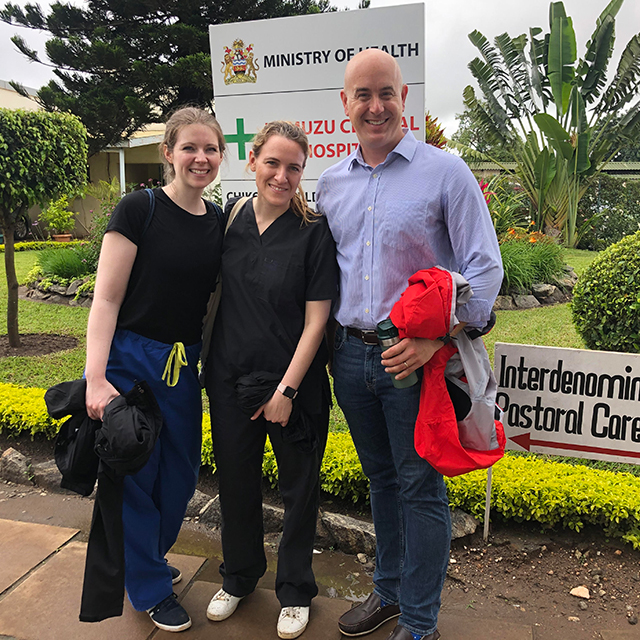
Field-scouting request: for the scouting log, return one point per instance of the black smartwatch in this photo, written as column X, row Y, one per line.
column 287, row 392
column 445, row 339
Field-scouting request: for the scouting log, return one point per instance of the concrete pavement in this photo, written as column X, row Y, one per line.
column 43, row 542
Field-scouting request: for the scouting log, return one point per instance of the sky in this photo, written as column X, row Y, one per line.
column 448, row 22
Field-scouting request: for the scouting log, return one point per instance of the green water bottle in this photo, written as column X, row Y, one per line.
column 388, row 336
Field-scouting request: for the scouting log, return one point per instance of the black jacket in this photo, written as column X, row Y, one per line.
column 108, row 450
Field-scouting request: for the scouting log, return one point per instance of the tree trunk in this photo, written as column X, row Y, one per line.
column 12, row 284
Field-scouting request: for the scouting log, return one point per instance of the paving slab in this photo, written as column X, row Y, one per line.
column 257, row 616
column 25, row 546
column 54, row 591
column 627, row 634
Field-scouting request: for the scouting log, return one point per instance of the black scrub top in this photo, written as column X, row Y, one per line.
column 266, row 281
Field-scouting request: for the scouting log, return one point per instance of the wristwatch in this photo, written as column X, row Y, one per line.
column 287, row 392
column 445, row 339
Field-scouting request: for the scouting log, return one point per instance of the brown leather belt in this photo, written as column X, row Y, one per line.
column 368, row 337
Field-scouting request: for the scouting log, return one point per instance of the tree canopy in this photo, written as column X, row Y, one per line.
column 42, row 156
column 473, row 138
column 122, row 64
column 557, row 114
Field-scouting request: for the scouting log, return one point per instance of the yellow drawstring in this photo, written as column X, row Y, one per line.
column 177, row 359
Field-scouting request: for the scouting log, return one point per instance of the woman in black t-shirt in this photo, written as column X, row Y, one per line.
column 267, row 375
column 157, row 269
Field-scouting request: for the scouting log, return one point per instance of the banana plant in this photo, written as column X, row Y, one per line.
column 555, row 112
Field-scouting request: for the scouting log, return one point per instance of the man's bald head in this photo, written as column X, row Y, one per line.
column 373, row 98
column 371, row 61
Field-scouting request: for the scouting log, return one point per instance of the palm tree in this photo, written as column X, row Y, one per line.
column 556, row 113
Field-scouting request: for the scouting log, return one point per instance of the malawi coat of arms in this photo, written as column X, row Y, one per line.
column 239, row 64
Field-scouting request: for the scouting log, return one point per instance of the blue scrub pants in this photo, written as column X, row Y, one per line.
column 155, row 499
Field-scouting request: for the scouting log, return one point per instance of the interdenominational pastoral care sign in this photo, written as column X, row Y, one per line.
column 570, row 402
column 293, row 69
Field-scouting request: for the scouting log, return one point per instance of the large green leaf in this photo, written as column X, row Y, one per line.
column 562, row 56
column 487, row 82
column 580, row 161
column 537, row 61
column 516, row 65
column 592, row 71
column 578, row 111
column 556, row 134
column 556, row 10
column 626, row 83
column 544, row 171
column 494, row 130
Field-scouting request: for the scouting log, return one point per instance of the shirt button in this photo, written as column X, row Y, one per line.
column 369, row 208
column 366, row 277
column 375, row 175
column 368, row 244
column 366, row 310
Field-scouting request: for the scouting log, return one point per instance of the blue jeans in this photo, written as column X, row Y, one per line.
column 408, row 497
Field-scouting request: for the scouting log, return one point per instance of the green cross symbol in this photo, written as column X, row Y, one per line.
column 240, row 137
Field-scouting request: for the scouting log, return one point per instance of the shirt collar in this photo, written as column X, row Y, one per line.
column 405, row 148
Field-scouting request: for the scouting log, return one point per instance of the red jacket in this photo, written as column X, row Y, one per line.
column 426, row 309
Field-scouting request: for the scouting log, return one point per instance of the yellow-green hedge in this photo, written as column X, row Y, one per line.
column 525, row 488
column 40, row 244
column 23, row 409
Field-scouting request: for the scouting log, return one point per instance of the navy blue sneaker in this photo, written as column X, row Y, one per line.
column 176, row 575
column 168, row 615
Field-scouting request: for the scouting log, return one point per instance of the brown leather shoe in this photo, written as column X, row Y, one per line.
column 400, row 633
column 367, row 617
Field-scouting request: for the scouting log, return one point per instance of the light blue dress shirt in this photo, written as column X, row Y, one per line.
column 420, row 208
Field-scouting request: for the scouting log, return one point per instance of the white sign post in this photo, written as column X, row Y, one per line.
column 570, row 402
column 293, row 69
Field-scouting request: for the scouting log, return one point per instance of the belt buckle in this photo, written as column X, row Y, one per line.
column 370, row 338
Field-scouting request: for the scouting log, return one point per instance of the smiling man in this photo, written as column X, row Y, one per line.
column 396, row 206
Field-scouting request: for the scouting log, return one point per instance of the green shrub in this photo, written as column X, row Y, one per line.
column 518, row 270
column 527, row 488
column 57, row 217
column 67, row 263
column 528, row 258
column 606, row 299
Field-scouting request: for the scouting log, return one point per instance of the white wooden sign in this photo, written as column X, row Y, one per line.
column 570, row 402
column 293, row 69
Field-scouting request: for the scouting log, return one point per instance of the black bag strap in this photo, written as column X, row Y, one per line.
column 152, row 208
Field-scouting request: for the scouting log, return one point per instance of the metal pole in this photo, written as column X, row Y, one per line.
column 487, row 506
column 123, row 185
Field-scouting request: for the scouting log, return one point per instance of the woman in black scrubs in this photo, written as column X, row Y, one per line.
column 280, row 277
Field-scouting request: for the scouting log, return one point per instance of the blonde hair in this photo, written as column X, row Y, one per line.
column 183, row 118
column 292, row 132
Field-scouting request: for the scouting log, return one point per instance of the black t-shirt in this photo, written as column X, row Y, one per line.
column 175, row 268
column 266, row 281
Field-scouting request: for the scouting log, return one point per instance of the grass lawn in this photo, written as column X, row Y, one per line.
column 36, row 317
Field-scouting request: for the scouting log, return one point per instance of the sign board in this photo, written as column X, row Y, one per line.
column 570, row 402
column 293, row 69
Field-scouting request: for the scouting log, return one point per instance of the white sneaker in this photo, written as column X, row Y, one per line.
column 222, row 605
column 292, row 621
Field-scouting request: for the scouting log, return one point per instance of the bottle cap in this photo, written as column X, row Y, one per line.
column 386, row 330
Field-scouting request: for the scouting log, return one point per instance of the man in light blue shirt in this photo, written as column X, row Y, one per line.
column 396, row 206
